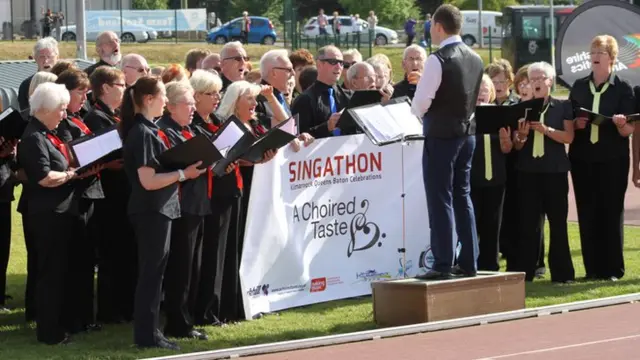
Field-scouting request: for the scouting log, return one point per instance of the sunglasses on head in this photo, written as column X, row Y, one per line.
column 238, row 58
column 332, row 62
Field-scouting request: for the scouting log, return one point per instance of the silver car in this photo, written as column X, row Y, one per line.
column 130, row 33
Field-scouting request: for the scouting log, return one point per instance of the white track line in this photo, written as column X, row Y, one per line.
column 562, row 347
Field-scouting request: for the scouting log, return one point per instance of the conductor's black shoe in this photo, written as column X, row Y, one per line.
column 458, row 271
column 434, row 275
column 197, row 334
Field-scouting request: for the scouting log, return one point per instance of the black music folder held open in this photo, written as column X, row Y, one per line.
column 198, row 148
column 389, row 123
column 277, row 137
column 491, row 118
column 96, row 148
column 593, row 117
column 359, row 98
column 12, row 124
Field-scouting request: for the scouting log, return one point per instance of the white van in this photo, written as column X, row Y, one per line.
column 490, row 20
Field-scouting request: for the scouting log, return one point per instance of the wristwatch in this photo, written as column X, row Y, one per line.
column 181, row 177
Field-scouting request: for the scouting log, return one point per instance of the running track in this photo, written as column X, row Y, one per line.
column 604, row 333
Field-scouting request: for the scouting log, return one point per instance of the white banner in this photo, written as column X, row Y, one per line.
column 326, row 221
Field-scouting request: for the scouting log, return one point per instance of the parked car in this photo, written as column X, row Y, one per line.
column 383, row 35
column 131, row 33
column 261, row 31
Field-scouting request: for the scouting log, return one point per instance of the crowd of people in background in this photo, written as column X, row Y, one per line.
column 172, row 240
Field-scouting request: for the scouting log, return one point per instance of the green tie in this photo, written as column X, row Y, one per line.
column 538, row 138
column 488, row 169
column 595, row 108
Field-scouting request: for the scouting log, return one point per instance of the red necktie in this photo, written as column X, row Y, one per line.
column 60, row 146
column 187, row 134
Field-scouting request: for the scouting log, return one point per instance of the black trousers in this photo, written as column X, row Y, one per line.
column 79, row 291
column 600, row 188
column 219, row 231
column 32, row 268
column 5, row 247
column 544, row 194
column 153, row 236
column 487, row 205
column 410, row 40
column 117, row 261
column 509, row 226
column 183, row 274
column 53, row 234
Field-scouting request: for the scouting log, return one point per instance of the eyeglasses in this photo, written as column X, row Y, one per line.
column 524, row 85
column 141, row 70
column 119, row 84
column 347, row 64
column 288, row 70
column 333, row 62
column 238, row 58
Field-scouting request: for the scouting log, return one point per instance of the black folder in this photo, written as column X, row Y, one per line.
column 491, row 118
column 633, row 117
column 99, row 153
column 12, row 124
column 593, row 117
column 359, row 98
column 198, row 148
column 233, row 153
column 275, row 138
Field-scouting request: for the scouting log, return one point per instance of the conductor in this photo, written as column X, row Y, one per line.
column 445, row 98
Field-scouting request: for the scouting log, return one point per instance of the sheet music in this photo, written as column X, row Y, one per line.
column 229, row 137
column 405, row 119
column 92, row 150
column 379, row 122
column 6, row 113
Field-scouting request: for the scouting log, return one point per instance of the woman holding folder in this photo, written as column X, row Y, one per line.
column 488, row 177
column 600, row 161
column 225, row 196
column 52, row 207
column 239, row 103
column 153, row 204
column 82, row 258
column 543, row 185
column 183, row 267
column 116, row 245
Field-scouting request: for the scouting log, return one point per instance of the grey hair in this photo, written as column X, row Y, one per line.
column 378, row 64
column 203, row 81
column 127, row 59
column 102, row 35
column 543, row 66
column 323, row 51
column 237, row 45
column 270, row 59
column 45, row 43
column 415, row 47
column 177, row 90
column 354, row 53
column 48, row 96
column 352, row 73
column 41, row 77
column 227, row 106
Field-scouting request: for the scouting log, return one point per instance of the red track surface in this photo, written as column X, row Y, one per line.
column 604, row 333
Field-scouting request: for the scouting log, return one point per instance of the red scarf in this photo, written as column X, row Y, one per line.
column 62, row 147
column 213, row 128
column 81, row 125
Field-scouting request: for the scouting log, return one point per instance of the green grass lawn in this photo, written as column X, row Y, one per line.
column 17, row 339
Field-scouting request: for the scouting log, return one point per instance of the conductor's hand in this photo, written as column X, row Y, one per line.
column 230, row 168
column 523, row 128
column 192, row 171
column 333, row 121
column 581, row 122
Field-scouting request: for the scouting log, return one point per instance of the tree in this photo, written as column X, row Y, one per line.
column 149, row 4
column 390, row 13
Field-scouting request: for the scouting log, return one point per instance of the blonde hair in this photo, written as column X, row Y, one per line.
column 41, row 77
column 609, row 43
column 204, row 81
column 229, row 101
column 500, row 66
column 176, row 91
column 521, row 75
column 492, row 90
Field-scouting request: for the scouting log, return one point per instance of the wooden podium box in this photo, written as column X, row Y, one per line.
column 412, row 301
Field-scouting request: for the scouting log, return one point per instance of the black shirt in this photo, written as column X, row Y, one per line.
column 498, row 163
column 89, row 187
column 617, row 99
column 225, row 82
column 38, row 156
column 193, row 193
column 404, row 88
column 313, row 108
column 93, row 67
column 511, row 99
column 555, row 158
column 7, row 181
column 141, row 148
column 225, row 186
column 114, row 182
column 23, row 93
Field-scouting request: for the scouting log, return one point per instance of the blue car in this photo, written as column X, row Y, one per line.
column 261, row 32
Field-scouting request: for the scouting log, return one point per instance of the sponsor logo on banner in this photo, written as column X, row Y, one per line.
column 372, row 275
column 259, row 290
column 289, row 289
column 318, row 285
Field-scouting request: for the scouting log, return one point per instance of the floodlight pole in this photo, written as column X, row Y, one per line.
column 81, row 39
column 552, row 20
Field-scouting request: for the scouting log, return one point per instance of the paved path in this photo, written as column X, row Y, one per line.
column 604, row 333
